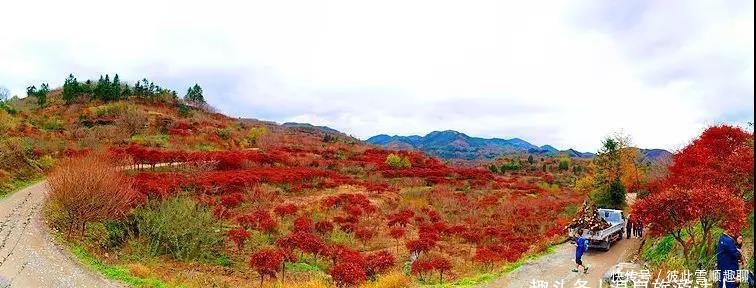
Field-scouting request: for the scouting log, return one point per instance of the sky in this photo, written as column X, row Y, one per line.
column 564, row 73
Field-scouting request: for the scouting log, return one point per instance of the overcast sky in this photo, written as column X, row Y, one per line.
column 564, row 73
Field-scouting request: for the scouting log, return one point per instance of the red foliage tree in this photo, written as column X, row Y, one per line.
column 378, row 262
column 303, row 241
column 239, row 236
column 364, row 234
column 488, row 256
column 347, row 274
column 303, row 224
column 440, row 264
column 397, row 233
column 285, row 209
column 721, row 156
column 266, row 262
column 676, row 212
column 323, row 226
column 259, row 220
column 232, row 200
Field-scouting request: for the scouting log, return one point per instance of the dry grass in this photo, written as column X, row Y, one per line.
column 394, row 279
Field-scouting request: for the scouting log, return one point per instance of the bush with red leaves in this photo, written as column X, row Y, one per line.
column 420, row 245
column 285, row 209
column 378, row 262
column 347, row 274
column 488, row 255
column 259, row 220
column 440, row 264
column 402, row 218
column 303, row 241
column 364, row 234
column 323, row 227
column 397, row 233
column 266, row 262
column 342, row 253
column 239, row 236
column 232, row 200
column 303, row 224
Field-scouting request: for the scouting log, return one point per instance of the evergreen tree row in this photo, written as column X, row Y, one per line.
column 106, row 89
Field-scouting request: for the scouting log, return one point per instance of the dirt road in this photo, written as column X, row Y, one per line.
column 557, row 266
column 28, row 256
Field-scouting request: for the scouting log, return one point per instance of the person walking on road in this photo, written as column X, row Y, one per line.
column 728, row 258
column 582, row 246
column 629, row 226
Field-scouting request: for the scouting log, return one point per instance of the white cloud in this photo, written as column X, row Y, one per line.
column 564, row 73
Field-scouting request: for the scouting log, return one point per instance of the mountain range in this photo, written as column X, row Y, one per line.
column 452, row 144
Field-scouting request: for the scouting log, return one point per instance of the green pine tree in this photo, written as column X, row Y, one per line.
column 194, row 95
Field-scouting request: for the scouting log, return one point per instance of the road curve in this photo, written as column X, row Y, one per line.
column 28, row 255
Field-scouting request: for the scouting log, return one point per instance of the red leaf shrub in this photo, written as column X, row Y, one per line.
column 303, row 224
column 364, row 234
column 259, row 220
column 324, row 226
column 266, row 262
column 397, row 233
column 303, row 241
column 232, row 200
column 440, row 264
column 347, row 274
column 239, row 236
column 378, row 262
column 285, row 209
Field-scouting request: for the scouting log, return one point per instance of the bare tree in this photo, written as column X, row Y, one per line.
column 88, row 189
column 4, row 94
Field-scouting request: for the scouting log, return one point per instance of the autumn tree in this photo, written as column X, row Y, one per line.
column 87, row 189
column 608, row 189
column 708, row 185
column 677, row 212
column 722, row 156
column 266, row 262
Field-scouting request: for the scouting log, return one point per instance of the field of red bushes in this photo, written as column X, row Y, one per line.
column 442, row 218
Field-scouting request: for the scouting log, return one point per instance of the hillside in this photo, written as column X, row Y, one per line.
column 451, row 144
column 334, row 210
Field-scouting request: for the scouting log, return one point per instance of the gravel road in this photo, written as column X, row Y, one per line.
column 28, row 255
column 557, row 266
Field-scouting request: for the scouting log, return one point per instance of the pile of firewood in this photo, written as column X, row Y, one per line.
column 588, row 218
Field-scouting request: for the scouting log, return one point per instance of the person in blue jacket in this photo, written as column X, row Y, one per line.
column 728, row 257
column 582, row 246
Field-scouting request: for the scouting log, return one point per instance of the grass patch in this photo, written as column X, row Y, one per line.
column 302, row 266
column 115, row 272
column 658, row 252
column 482, row 278
column 17, row 185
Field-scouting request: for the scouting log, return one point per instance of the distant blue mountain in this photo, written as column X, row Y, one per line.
column 451, row 144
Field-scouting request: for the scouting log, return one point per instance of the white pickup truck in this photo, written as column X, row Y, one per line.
column 604, row 238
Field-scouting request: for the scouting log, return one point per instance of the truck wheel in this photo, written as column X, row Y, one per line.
column 608, row 244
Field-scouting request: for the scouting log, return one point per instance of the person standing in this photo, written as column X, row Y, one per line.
column 728, row 258
column 629, row 226
column 582, row 246
column 638, row 228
